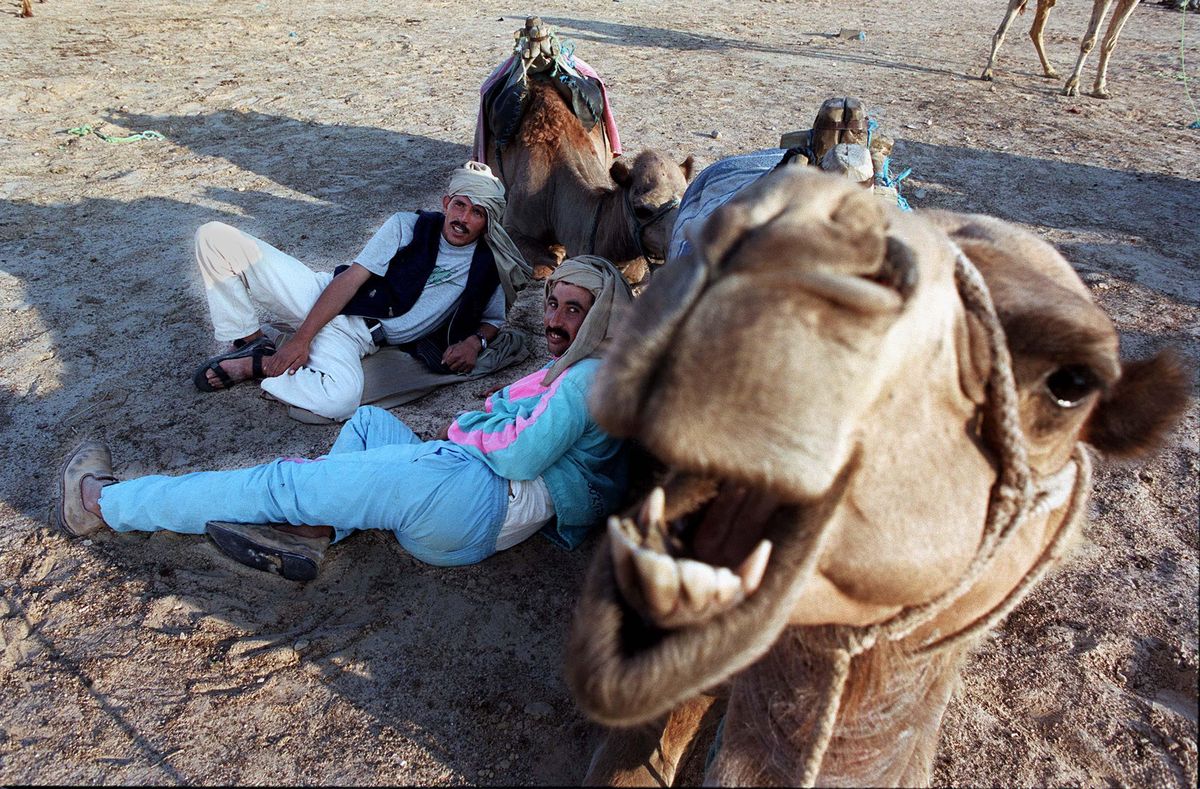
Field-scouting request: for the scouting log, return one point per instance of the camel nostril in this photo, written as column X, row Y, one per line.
column 899, row 270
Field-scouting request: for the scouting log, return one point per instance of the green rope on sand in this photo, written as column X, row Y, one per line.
column 85, row 130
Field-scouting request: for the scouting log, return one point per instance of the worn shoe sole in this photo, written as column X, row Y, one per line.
column 261, row 547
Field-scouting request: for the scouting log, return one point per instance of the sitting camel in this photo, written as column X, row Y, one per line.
column 1099, row 9
column 563, row 191
column 891, row 457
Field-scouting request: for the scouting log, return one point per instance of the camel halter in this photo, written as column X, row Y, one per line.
column 639, row 227
column 1016, row 498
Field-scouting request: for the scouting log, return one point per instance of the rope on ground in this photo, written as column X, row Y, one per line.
column 1183, row 69
column 85, row 130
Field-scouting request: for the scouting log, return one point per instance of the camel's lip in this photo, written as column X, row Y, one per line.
column 860, row 293
column 879, row 287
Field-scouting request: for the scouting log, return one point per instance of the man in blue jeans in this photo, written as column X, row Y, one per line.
column 532, row 460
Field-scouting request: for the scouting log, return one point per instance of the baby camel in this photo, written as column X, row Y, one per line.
column 890, row 458
column 1099, row 9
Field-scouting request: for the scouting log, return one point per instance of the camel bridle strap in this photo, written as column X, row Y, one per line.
column 1015, row 499
column 640, row 227
column 637, row 227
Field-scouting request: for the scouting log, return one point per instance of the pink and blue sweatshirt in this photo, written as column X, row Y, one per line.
column 527, row 430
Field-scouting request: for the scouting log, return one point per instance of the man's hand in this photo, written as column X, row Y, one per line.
column 485, row 394
column 460, row 357
column 444, row 433
column 294, row 353
column 288, row 359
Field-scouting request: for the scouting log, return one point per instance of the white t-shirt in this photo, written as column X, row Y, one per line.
column 442, row 290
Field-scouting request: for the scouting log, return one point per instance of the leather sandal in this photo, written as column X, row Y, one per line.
column 89, row 459
column 257, row 350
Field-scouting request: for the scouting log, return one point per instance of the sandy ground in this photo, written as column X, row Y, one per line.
column 152, row 659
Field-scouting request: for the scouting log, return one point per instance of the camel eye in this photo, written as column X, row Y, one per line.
column 1071, row 384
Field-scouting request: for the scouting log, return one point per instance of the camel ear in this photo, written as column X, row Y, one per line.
column 620, row 173
column 686, row 166
column 1142, row 407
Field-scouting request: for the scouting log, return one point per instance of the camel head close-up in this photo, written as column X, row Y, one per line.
column 859, row 448
column 653, row 186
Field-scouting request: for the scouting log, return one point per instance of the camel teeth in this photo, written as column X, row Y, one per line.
column 660, row 580
column 729, row 587
column 619, row 529
column 699, row 581
column 654, row 510
column 751, row 570
column 622, row 548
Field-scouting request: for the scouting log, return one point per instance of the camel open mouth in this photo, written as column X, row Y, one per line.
column 695, row 583
column 694, row 549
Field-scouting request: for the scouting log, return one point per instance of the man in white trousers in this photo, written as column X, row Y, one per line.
column 438, row 285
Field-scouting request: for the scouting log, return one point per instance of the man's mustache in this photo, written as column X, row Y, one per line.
column 458, row 226
column 557, row 334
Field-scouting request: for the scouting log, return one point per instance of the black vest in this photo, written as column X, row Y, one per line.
column 399, row 288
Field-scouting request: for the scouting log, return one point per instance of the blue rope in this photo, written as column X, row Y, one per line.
column 885, row 178
column 566, row 47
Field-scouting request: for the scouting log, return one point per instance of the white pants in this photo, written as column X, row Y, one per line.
column 243, row 276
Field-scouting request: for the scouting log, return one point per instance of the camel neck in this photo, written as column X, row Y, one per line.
column 613, row 231
column 885, row 732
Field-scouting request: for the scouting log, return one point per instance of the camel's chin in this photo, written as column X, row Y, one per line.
column 692, row 585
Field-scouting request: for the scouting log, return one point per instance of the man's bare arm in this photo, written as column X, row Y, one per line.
column 294, row 353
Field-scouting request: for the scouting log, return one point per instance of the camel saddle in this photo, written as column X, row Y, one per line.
column 538, row 54
column 841, row 119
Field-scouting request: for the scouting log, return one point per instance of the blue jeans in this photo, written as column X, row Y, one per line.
column 444, row 505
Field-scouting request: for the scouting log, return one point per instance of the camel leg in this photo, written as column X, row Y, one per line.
column 1035, row 32
column 539, row 254
column 26, row 8
column 1001, row 32
column 1120, row 17
column 1099, row 9
column 649, row 755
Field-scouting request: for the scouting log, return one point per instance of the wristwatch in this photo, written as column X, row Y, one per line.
column 482, row 340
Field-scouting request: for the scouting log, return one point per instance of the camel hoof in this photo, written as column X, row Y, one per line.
column 986, row 76
column 1101, row 94
column 1051, row 74
column 1071, row 90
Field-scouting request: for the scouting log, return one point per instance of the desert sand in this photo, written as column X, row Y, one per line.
column 153, row 659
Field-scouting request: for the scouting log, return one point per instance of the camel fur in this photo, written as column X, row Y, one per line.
column 565, row 199
column 1124, row 9
column 838, row 522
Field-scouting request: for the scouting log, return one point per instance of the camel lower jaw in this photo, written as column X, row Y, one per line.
column 624, row 668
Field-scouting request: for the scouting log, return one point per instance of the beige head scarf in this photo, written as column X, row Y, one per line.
column 612, row 297
column 475, row 180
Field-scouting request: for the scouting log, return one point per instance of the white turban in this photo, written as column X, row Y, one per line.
column 611, row 297
column 475, row 181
